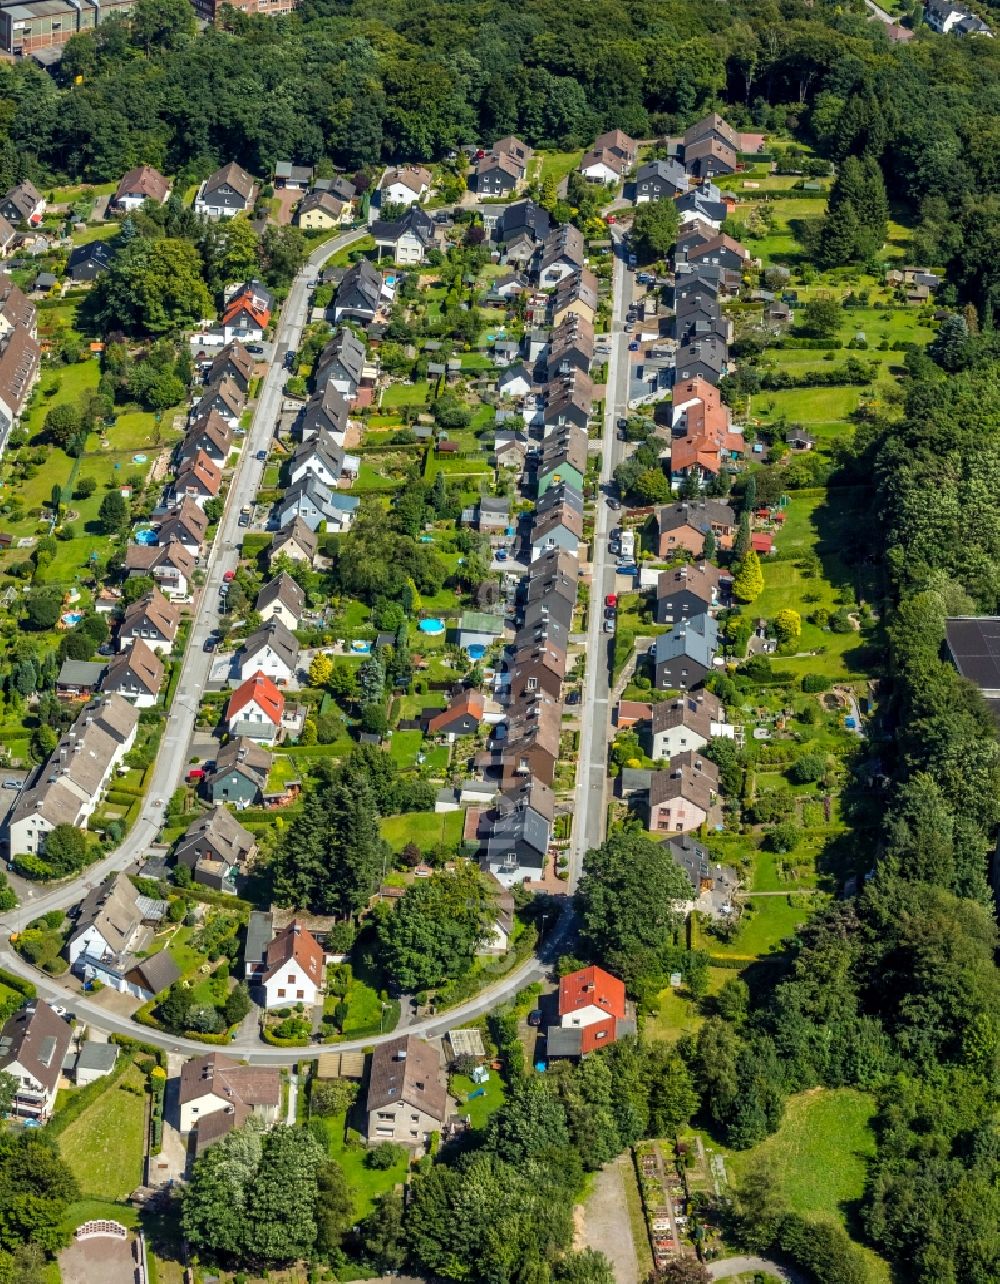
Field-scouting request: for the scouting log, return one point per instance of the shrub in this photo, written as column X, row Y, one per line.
column 384, row 1155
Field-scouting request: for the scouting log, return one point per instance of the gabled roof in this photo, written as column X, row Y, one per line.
column 709, row 126
column 242, row 303
column 221, row 831
column 244, row 757
column 471, row 704
column 24, row 197
column 275, row 635
column 326, row 409
column 18, row 362
column 616, row 140
column 345, row 352
column 702, row 581
column 412, row 176
column 222, row 1076
column 414, row 221
column 697, row 712
column 407, row 1070
column 361, row 284
column 153, row 609
column 260, row 690
column 201, row 472
column 697, row 638
column 233, row 356
column 226, row 390
column 296, row 531
column 143, row 181
column 184, row 519
column 138, row 665
column 15, row 306
column 592, row 987
column 112, row 908
column 719, row 242
column 670, row 172
column 690, row 777
column 325, row 201
column 285, row 590
column 565, row 242
column 238, row 179
column 605, row 156
column 297, row 943
column 37, row 1039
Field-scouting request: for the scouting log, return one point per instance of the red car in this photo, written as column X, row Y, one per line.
column 229, row 576
column 196, row 773
column 611, row 219
column 611, row 599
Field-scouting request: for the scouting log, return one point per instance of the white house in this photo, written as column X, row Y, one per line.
column 227, row 192
column 271, row 650
column 33, row 1046
column 215, row 1084
column 405, row 186
column 255, row 710
column 294, row 968
column 687, row 724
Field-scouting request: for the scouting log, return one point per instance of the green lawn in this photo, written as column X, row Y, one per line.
column 481, row 1107
column 677, row 1013
column 365, row 1013
column 425, row 828
column 366, row 1183
column 404, row 747
column 556, row 165
column 406, row 394
column 767, row 922
column 819, row 1158
column 104, row 1148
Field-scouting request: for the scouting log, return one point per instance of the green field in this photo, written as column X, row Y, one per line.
column 366, row 1183
column 556, row 165
column 767, row 922
column 104, row 1148
column 482, row 1107
column 426, row 829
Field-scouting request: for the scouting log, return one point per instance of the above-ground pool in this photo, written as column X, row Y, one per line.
column 360, row 648
column 476, row 650
column 431, row 627
column 426, row 539
column 146, row 537
column 71, row 618
column 138, row 459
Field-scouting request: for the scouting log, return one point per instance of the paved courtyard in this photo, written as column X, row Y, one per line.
column 98, row 1261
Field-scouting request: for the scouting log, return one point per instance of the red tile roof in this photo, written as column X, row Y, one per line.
column 298, row 943
column 592, row 987
column 261, row 689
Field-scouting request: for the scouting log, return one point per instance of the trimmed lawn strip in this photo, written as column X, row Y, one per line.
column 105, row 1146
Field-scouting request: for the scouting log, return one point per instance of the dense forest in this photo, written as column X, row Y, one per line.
column 894, row 989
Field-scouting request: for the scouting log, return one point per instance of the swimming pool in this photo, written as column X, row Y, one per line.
column 360, row 648
column 432, row 627
column 145, row 537
column 476, row 650
column 138, row 459
column 71, row 618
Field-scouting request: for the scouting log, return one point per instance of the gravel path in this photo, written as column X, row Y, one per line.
column 606, row 1225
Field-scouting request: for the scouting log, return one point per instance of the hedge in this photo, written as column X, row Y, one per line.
column 273, row 1039
column 18, row 983
column 85, row 1097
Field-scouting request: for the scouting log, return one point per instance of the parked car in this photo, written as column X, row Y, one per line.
column 210, row 642
column 535, row 1017
column 633, row 346
column 261, row 454
column 611, row 599
column 229, row 577
column 622, row 423
column 613, row 503
column 609, row 626
column 290, row 356
column 256, row 348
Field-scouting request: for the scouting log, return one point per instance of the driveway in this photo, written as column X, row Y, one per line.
column 606, row 1226
column 731, row 1266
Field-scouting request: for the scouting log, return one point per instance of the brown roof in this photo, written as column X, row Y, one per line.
column 298, row 943
column 138, row 662
column 146, row 181
column 561, row 515
column 200, row 472
column 18, row 364
column 581, row 284
column 409, row 1070
column 719, row 242
column 15, row 305
column 211, row 426
column 470, row 702
column 703, row 581
column 237, row 178
column 36, row 1038
column 212, row 1128
column 185, row 518
column 616, row 140
column 233, row 355
column 536, row 722
column 689, row 776
column 695, row 711
column 298, row 532
column 285, row 590
column 219, row 1074
column 225, row 387
column 325, row 201
column 154, row 607
column 245, row 756
column 704, row 128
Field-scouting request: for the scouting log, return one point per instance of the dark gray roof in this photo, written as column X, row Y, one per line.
column 260, row 930
column 97, row 1056
column 158, row 972
column 697, row 638
column 345, row 352
column 80, row 673
column 974, row 645
column 414, row 220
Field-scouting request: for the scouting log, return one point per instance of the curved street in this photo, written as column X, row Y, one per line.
column 168, row 771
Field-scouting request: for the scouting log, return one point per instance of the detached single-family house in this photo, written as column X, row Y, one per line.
column 326, row 411
column 139, row 185
column 687, row 723
column 294, row 541
column 255, row 710
column 245, row 318
column 499, row 172
column 684, row 797
column 294, row 968
column 297, row 177
column 322, row 458
column 241, row 771
column 407, row 1099
column 320, row 211
column 704, row 203
column 215, row 848
column 110, row 923
column 593, row 1012
column 523, row 219
column 170, row 565
column 282, row 599
column 215, row 1084
column 78, row 678
column 136, row 675
column 23, row 204
column 683, row 658
column 227, row 192
column 33, row 1046
column 308, row 501
column 602, row 165
column 684, row 526
column 271, row 650
column 712, row 127
column 87, row 262
column 685, row 591
column 463, row 717
column 660, row 180
column 408, row 238
column 404, row 186
column 514, row 381
column 152, row 619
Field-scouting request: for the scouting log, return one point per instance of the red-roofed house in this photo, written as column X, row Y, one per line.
column 463, row 716
column 293, row 968
column 593, row 1012
column 246, row 317
column 709, row 442
column 255, row 710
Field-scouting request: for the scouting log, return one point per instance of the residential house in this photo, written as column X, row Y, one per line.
column 463, row 717
column 519, row 152
column 260, row 930
column 713, row 127
column 215, row 848
column 722, row 251
column 800, row 440
column 690, row 590
column 255, row 710
column 245, row 318
column 658, row 181
column 694, row 233
column 342, row 363
column 593, row 1013
column 271, row 650
column 8, row 235
column 294, row 968
column 524, row 220
column 407, row 1100
column 517, row 833
column 139, row 185
column 296, row 177
column 562, row 254
column 561, row 527
column 563, row 460
column 216, row 1084
column 93, row 1061
column 33, row 1046
column 687, row 723
column 225, row 397
column 170, row 565
column 309, row 501
column 709, row 444
column 502, row 925
column 136, row 675
column 153, row 619
column 282, row 599
column 404, row 186
column 235, row 362
column 87, row 262
column 531, row 747
column 16, row 309
column 575, row 293
column 241, row 771
column 294, row 541
column 321, row 211
column 685, row 797
column 509, row 286
column 710, row 158
column 712, row 883
column 496, row 176
column 492, row 514
column 510, row 450
column 683, row 658
column 569, row 403
column 602, row 165
column 20, row 359
column 198, row 478
column 705, row 204
column 185, row 524
column 619, row 144
column 571, row 347
column 111, row 923
column 227, row 192
column 945, row 17
column 705, row 357
column 322, row 458
column 684, row 525
column 326, row 411
column 212, row 435
column 78, row 678
column 535, row 670
column 23, row 204
column 407, row 238
column 514, row 382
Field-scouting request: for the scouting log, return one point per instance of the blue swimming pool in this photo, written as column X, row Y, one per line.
column 145, row 537
column 71, row 618
column 476, row 650
column 431, row 627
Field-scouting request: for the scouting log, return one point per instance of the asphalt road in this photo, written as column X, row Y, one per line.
column 591, row 795
column 170, row 763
